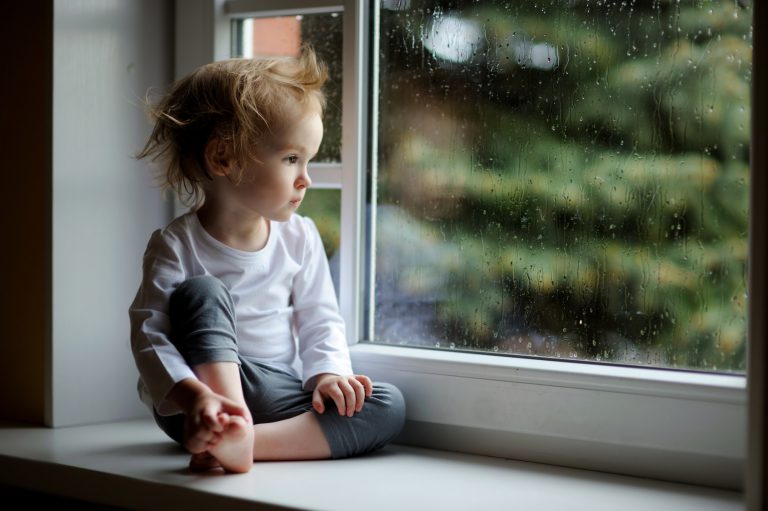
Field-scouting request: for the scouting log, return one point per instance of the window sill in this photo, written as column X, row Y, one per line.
column 131, row 464
column 671, row 425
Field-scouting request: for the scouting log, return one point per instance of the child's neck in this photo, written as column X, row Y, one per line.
column 240, row 232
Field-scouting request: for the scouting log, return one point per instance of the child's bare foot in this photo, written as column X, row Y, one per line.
column 234, row 452
column 201, row 435
column 203, row 461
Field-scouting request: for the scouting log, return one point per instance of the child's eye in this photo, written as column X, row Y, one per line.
column 293, row 159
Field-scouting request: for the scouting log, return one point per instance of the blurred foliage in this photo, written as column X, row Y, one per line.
column 324, row 208
column 592, row 205
column 324, row 33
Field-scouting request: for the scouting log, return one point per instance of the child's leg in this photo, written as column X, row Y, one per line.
column 330, row 435
column 378, row 423
column 297, row 438
column 203, row 330
column 288, row 428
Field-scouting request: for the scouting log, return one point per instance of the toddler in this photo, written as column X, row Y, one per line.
column 235, row 328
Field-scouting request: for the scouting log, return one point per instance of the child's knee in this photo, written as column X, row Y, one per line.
column 199, row 300
column 197, row 291
column 392, row 403
column 202, row 315
column 377, row 424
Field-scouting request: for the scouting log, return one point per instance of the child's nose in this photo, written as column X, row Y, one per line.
column 304, row 180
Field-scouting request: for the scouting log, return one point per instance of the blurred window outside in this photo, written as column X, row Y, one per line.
column 568, row 183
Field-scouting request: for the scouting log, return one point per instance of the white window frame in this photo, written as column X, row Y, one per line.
column 660, row 423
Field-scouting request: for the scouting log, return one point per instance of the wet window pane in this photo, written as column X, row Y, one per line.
column 565, row 179
column 323, row 206
column 284, row 36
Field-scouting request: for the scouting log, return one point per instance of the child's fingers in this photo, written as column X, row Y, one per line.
column 197, row 441
column 234, row 408
column 335, row 393
column 195, row 445
column 350, row 398
column 367, row 383
column 317, row 401
column 202, row 435
column 211, row 420
column 359, row 393
column 198, row 432
column 237, row 419
column 214, row 441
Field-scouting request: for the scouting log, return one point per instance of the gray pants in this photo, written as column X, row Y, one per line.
column 203, row 330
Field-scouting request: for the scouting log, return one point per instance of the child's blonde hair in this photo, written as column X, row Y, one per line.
column 236, row 100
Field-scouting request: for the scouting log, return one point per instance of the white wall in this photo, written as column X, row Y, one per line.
column 106, row 54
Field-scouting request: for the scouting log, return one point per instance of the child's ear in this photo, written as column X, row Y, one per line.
column 218, row 157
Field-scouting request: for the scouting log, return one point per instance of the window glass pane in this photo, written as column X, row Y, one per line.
column 565, row 179
column 323, row 206
column 283, row 36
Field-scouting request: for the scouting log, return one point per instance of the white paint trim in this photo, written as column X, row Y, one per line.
column 104, row 204
column 272, row 8
column 325, row 175
column 131, row 465
column 699, row 386
column 248, row 36
column 370, row 323
column 354, row 132
column 678, row 426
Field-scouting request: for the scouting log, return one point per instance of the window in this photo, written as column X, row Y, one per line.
column 565, row 180
column 685, row 426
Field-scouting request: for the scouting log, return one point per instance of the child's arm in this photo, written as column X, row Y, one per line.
column 322, row 338
column 203, row 411
column 160, row 364
column 348, row 392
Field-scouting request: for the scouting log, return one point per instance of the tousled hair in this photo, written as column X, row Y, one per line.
column 236, row 100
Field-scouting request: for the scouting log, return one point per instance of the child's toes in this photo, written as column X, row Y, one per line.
column 238, row 421
column 196, row 443
column 238, row 427
column 203, row 461
column 224, row 419
column 215, row 439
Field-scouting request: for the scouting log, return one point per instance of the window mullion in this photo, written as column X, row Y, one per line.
column 353, row 163
column 327, row 176
column 370, row 299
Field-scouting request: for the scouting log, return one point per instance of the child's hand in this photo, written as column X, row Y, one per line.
column 348, row 392
column 209, row 416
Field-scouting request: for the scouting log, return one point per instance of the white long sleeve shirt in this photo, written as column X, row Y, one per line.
column 285, row 305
